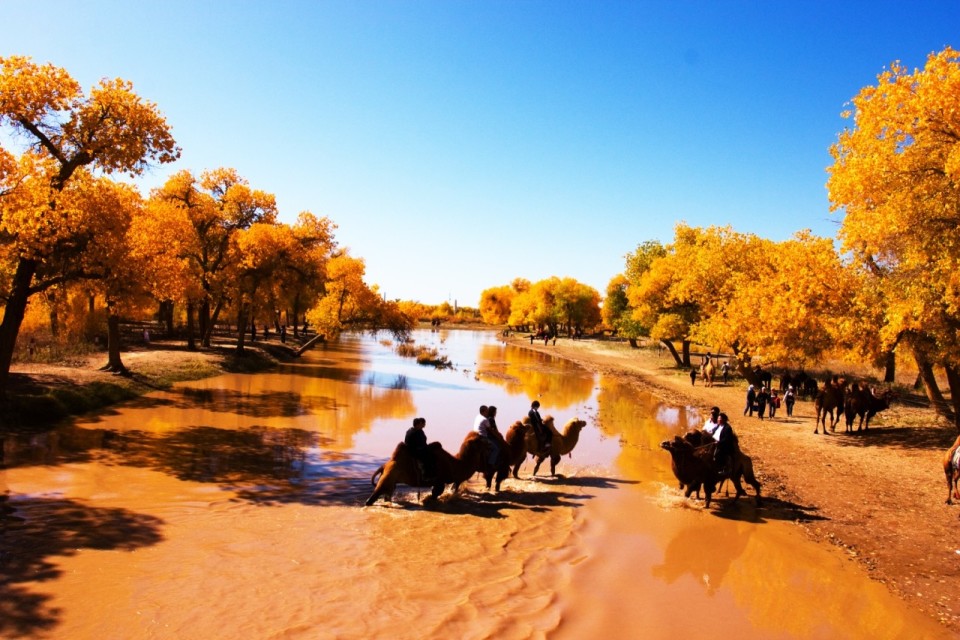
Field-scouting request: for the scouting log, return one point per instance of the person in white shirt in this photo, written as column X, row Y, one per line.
column 480, row 423
column 713, row 423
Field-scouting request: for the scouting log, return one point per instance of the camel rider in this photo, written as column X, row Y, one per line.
column 726, row 445
column 713, row 422
column 487, row 428
column 544, row 438
column 416, row 441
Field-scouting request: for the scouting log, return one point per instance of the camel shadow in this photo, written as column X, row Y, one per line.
column 746, row 510
column 35, row 531
column 495, row 505
column 919, row 438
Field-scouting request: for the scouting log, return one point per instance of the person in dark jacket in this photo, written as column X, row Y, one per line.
column 543, row 438
column 762, row 399
column 416, row 441
column 726, row 444
column 751, row 400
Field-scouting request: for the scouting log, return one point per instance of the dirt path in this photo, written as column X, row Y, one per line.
column 878, row 494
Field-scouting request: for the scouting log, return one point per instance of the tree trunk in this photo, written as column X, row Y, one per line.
column 930, row 385
column 633, row 343
column 203, row 320
column 241, row 326
column 166, row 316
column 890, row 372
column 13, row 314
column 114, row 363
column 953, row 379
column 211, row 323
column 686, row 353
column 191, row 337
column 54, row 323
column 673, row 351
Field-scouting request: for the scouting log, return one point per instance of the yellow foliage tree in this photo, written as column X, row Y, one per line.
column 349, row 303
column 218, row 205
column 495, row 304
column 111, row 130
column 896, row 177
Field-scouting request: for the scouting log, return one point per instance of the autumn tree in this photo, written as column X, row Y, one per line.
column 495, row 304
column 788, row 303
column 218, row 204
column 348, row 303
column 110, row 130
column 555, row 302
column 618, row 313
column 896, row 178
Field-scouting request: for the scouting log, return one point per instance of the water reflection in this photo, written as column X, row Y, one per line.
column 558, row 384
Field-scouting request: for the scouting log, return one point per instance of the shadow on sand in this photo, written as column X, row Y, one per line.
column 33, row 531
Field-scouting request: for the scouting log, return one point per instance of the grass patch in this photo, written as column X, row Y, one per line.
column 426, row 356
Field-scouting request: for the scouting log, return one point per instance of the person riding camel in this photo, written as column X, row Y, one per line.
column 544, row 437
column 727, row 445
column 416, row 441
column 486, row 425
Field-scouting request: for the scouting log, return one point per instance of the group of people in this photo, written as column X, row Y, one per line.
column 768, row 401
column 485, row 424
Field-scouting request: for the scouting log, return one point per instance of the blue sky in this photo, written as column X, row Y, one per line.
column 461, row 144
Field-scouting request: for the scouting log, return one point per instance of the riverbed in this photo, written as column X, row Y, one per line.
column 232, row 507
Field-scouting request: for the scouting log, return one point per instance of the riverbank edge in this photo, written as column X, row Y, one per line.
column 41, row 395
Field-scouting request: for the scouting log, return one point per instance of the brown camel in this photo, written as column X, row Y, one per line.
column 516, row 439
column 560, row 443
column 951, row 469
column 402, row 468
column 693, row 465
column 828, row 400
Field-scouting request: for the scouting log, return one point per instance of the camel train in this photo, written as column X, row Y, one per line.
column 472, row 458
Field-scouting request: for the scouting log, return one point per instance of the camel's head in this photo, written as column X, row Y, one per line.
column 520, row 425
column 675, row 445
column 575, row 424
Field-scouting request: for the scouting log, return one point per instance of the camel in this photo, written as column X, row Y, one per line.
column 693, row 466
column 828, row 399
column 951, row 469
column 742, row 463
column 560, row 443
column 861, row 401
column 706, row 372
column 516, row 440
column 402, row 468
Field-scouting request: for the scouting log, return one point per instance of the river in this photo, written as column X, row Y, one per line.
column 232, row 507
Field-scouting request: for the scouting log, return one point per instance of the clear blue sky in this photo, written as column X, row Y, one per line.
column 461, row 144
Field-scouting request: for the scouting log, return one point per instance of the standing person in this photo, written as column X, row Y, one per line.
column 774, row 402
column 763, row 398
column 539, row 430
column 416, row 441
column 693, row 377
column 751, row 399
column 789, row 398
column 725, row 370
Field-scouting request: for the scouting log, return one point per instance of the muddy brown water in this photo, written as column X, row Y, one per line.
column 233, row 508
